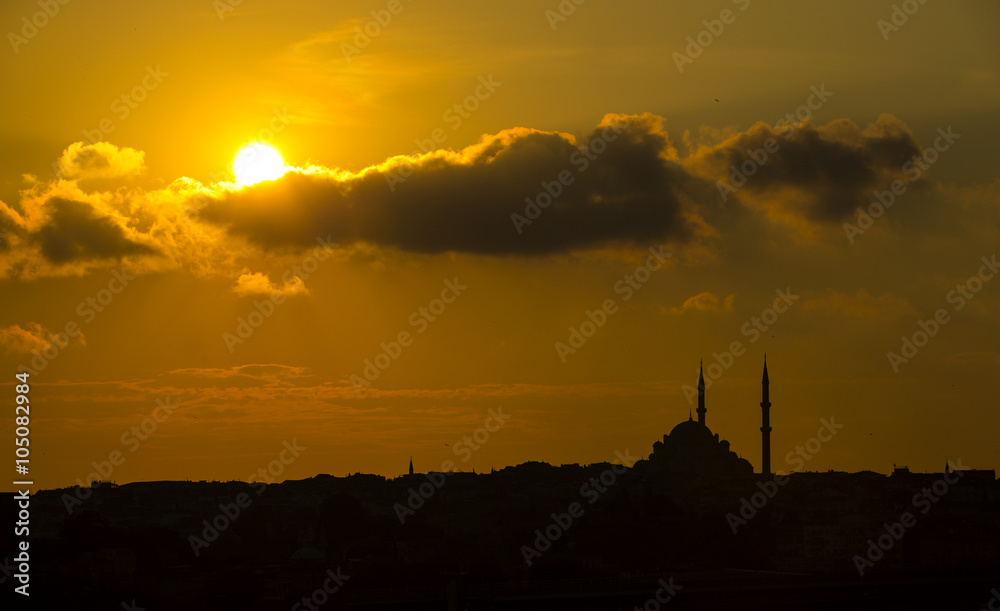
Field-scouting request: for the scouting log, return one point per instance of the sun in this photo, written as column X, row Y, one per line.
column 257, row 162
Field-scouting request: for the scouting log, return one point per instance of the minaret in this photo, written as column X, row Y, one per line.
column 701, row 395
column 411, row 465
column 765, row 428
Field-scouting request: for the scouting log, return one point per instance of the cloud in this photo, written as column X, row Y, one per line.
column 622, row 189
column 99, row 160
column 817, row 173
column 8, row 229
column 862, row 305
column 622, row 185
column 16, row 339
column 704, row 302
column 269, row 373
column 61, row 228
column 626, row 185
column 75, row 230
column 260, row 284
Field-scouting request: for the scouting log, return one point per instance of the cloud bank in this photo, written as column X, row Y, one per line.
column 623, row 184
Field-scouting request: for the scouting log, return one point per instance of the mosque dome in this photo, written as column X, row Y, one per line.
column 691, row 430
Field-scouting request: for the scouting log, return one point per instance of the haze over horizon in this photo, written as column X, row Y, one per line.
column 492, row 207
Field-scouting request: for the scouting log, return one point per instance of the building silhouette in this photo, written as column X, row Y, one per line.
column 604, row 537
column 691, row 446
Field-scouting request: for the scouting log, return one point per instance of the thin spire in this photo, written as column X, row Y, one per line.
column 701, row 392
column 765, row 425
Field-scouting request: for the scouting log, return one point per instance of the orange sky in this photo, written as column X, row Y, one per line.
column 690, row 163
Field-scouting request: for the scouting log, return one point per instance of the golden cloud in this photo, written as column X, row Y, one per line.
column 19, row 340
column 705, row 302
column 259, row 284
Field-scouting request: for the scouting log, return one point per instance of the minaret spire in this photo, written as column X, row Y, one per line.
column 765, row 427
column 701, row 393
column 411, row 465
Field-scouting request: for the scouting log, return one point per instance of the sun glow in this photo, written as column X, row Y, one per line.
column 257, row 162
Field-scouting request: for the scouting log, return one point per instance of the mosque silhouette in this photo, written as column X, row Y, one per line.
column 691, row 447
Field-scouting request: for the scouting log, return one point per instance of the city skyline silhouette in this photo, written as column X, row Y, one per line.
column 561, row 305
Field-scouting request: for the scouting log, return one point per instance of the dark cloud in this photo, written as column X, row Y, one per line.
column 74, row 231
column 632, row 189
column 623, row 184
column 91, row 160
column 8, row 229
column 623, row 192
column 834, row 168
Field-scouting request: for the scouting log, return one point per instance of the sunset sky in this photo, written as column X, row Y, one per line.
column 682, row 189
